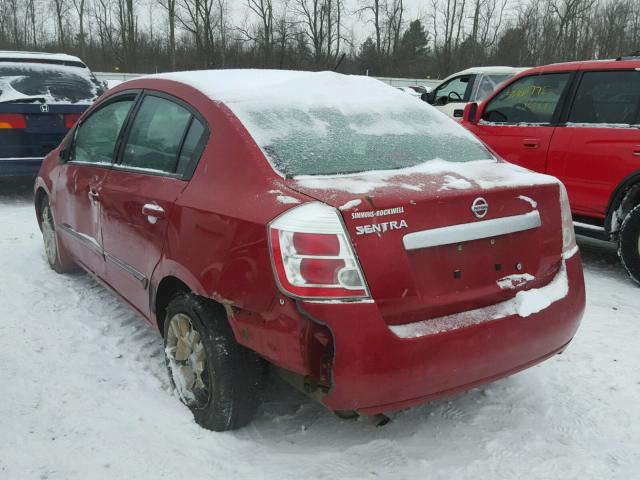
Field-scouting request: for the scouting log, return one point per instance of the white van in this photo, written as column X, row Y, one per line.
column 470, row 85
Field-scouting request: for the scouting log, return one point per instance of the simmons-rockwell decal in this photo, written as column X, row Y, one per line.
column 378, row 213
column 380, row 227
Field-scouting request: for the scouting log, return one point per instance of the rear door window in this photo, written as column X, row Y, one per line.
column 533, row 99
column 96, row 138
column 190, row 147
column 609, row 98
column 156, row 136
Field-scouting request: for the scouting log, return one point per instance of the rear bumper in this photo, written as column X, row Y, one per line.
column 20, row 167
column 377, row 371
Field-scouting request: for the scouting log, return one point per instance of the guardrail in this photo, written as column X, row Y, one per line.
column 393, row 81
column 407, row 82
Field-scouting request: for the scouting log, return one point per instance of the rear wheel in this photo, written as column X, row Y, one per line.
column 56, row 256
column 217, row 378
column 629, row 243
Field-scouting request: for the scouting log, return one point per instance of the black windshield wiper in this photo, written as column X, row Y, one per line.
column 24, row 100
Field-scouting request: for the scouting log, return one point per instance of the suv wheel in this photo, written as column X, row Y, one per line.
column 56, row 256
column 217, row 378
column 629, row 243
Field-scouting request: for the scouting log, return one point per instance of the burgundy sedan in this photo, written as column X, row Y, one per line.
column 328, row 227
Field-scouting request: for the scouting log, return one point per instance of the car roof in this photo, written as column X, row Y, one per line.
column 495, row 70
column 232, row 85
column 41, row 57
column 608, row 64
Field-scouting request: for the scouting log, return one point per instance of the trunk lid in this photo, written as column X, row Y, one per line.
column 44, row 129
column 467, row 263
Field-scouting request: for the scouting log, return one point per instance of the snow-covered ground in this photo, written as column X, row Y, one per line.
column 85, row 396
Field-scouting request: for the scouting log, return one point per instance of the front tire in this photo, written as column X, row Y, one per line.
column 629, row 244
column 56, row 256
column 217, row 378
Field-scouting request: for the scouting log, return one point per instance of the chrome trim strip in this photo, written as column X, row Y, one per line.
column 90, row 242
column 466, row 232
column 29, row 159
column 127, row 268
column 96, row 247
column 588, row 226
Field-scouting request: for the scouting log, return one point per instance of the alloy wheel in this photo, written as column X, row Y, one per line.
column 187, row 361
column 48, row 235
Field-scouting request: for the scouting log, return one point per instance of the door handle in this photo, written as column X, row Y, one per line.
column 153, row 212
column 636, row 151
column 531, row 143
column 93, row 195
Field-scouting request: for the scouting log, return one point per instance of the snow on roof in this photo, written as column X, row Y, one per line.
column 290, row 111
column 251, row 90
column 312, row 88
column 487, row 70
column 43, row 56
column 247, row 91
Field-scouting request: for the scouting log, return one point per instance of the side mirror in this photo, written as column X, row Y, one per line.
column 63, row 154
column 470, row 112
column 65, row 146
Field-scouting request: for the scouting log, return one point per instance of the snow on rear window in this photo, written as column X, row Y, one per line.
column 326, row 123
column 54, row 83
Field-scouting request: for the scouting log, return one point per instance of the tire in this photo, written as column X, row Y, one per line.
column 57, row 257
column 217, row 378
column 629, row 244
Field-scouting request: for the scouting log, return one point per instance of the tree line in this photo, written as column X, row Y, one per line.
column 447, row 35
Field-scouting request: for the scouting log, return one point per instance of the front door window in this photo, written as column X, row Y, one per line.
column 452, row 91
column 96, row 138
column 531, row 100
column 156, row 136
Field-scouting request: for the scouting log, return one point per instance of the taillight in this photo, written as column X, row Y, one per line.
column 312, row 254
column 568, row 234
column 12, row 120
column 70, row 120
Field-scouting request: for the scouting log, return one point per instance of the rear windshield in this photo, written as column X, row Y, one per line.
column 325, row 141
column 56, row 83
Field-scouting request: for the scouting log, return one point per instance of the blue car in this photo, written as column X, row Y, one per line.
column 42, row 95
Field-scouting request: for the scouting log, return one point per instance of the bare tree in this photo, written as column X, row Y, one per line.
column 263, row 9
column 79, row 6
column 283, row 29
column 313, row 15
column 170, row 7
column 376, row 9
column 127, row 26
column 60, row 8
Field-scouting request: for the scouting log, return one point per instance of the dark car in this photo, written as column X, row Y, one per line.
column 41, row 97
column 376, row 254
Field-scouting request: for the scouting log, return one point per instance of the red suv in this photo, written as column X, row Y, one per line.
column 375, row 253
column 579, row 122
